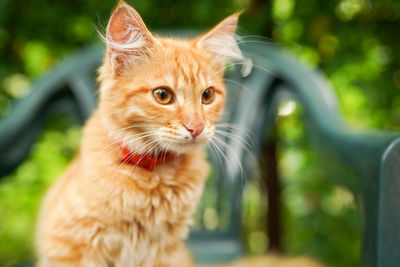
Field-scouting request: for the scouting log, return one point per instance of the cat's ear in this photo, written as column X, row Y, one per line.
column 128, row 39
column 221, row 41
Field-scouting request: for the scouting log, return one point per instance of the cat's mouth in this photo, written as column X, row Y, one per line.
column 186, row 146
column 193, row 142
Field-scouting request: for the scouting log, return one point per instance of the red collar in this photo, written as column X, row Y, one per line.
column 145, row 161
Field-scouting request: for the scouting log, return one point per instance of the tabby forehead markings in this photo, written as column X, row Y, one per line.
column 170, row 80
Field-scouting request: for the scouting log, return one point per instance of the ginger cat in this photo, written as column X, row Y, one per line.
column 128, row 197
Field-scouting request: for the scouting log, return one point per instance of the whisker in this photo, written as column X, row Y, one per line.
column 268, row 40
column 241, row 85
column 133, row 138
column 249, row 135
column 222, row 151
column 216, row 155
column 148, row 143
column 154, row 144
column 225, row 67
column 231, row 152
column 237, row 138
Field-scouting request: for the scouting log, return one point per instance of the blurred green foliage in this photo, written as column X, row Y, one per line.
column 354, row 42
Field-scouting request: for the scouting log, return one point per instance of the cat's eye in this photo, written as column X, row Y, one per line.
column 208, row 95
column 163, row 95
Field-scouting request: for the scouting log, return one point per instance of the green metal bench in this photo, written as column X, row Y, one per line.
column 368, row 163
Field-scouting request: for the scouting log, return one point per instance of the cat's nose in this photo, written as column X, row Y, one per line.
column 194, row 129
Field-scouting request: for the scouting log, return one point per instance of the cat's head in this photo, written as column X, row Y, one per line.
column 163, row 93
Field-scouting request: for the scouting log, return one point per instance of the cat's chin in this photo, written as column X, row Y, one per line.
column 185, row 148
